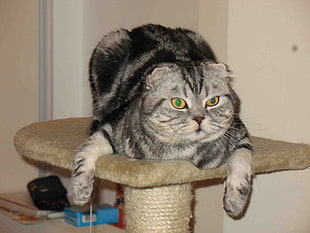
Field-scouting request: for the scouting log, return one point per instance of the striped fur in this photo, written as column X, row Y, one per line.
column 134, row 76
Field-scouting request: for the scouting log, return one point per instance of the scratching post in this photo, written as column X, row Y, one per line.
column 158, row 193
column 164, row 209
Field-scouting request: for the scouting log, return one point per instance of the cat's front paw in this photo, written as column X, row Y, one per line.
column 82, row 180
column 237, row 192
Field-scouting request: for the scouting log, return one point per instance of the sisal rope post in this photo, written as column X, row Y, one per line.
column 158, row 209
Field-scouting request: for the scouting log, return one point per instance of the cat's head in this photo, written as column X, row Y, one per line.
column 188, row 102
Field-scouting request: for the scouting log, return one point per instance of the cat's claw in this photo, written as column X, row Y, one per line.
column 84, row 167
column 236, row 196
column 82, row 181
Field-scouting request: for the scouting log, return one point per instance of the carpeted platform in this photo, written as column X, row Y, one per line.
column 56, row 142
column 158, row 194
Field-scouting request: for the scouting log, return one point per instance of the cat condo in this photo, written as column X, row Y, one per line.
column 158, row 194
column 125, row 65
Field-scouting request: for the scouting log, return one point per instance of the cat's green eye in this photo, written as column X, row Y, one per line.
column 213, row 101
column 178, row 103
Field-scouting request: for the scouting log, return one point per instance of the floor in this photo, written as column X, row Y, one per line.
column 8, row 225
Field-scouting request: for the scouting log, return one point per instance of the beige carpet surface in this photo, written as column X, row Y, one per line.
column 55, row 143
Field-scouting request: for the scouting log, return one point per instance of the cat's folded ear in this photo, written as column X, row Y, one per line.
column 223, row 68
column 219, row 66
column 156, row 75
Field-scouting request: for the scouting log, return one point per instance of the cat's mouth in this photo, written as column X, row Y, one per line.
column 198, row 134
column 195, row 130
column 198, row 129
column 205, row 133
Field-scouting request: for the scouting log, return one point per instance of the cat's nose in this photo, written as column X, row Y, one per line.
column 198, row 120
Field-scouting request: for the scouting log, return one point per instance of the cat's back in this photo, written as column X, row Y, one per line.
column 169, row 44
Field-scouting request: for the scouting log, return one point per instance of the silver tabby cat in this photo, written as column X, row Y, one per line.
column 159, row 93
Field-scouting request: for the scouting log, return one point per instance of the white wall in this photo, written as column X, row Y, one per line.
column 272, row 79
column 18, row 87
column 279, row 203
column 257, row 39
column 68, row 63
column 212, row 25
